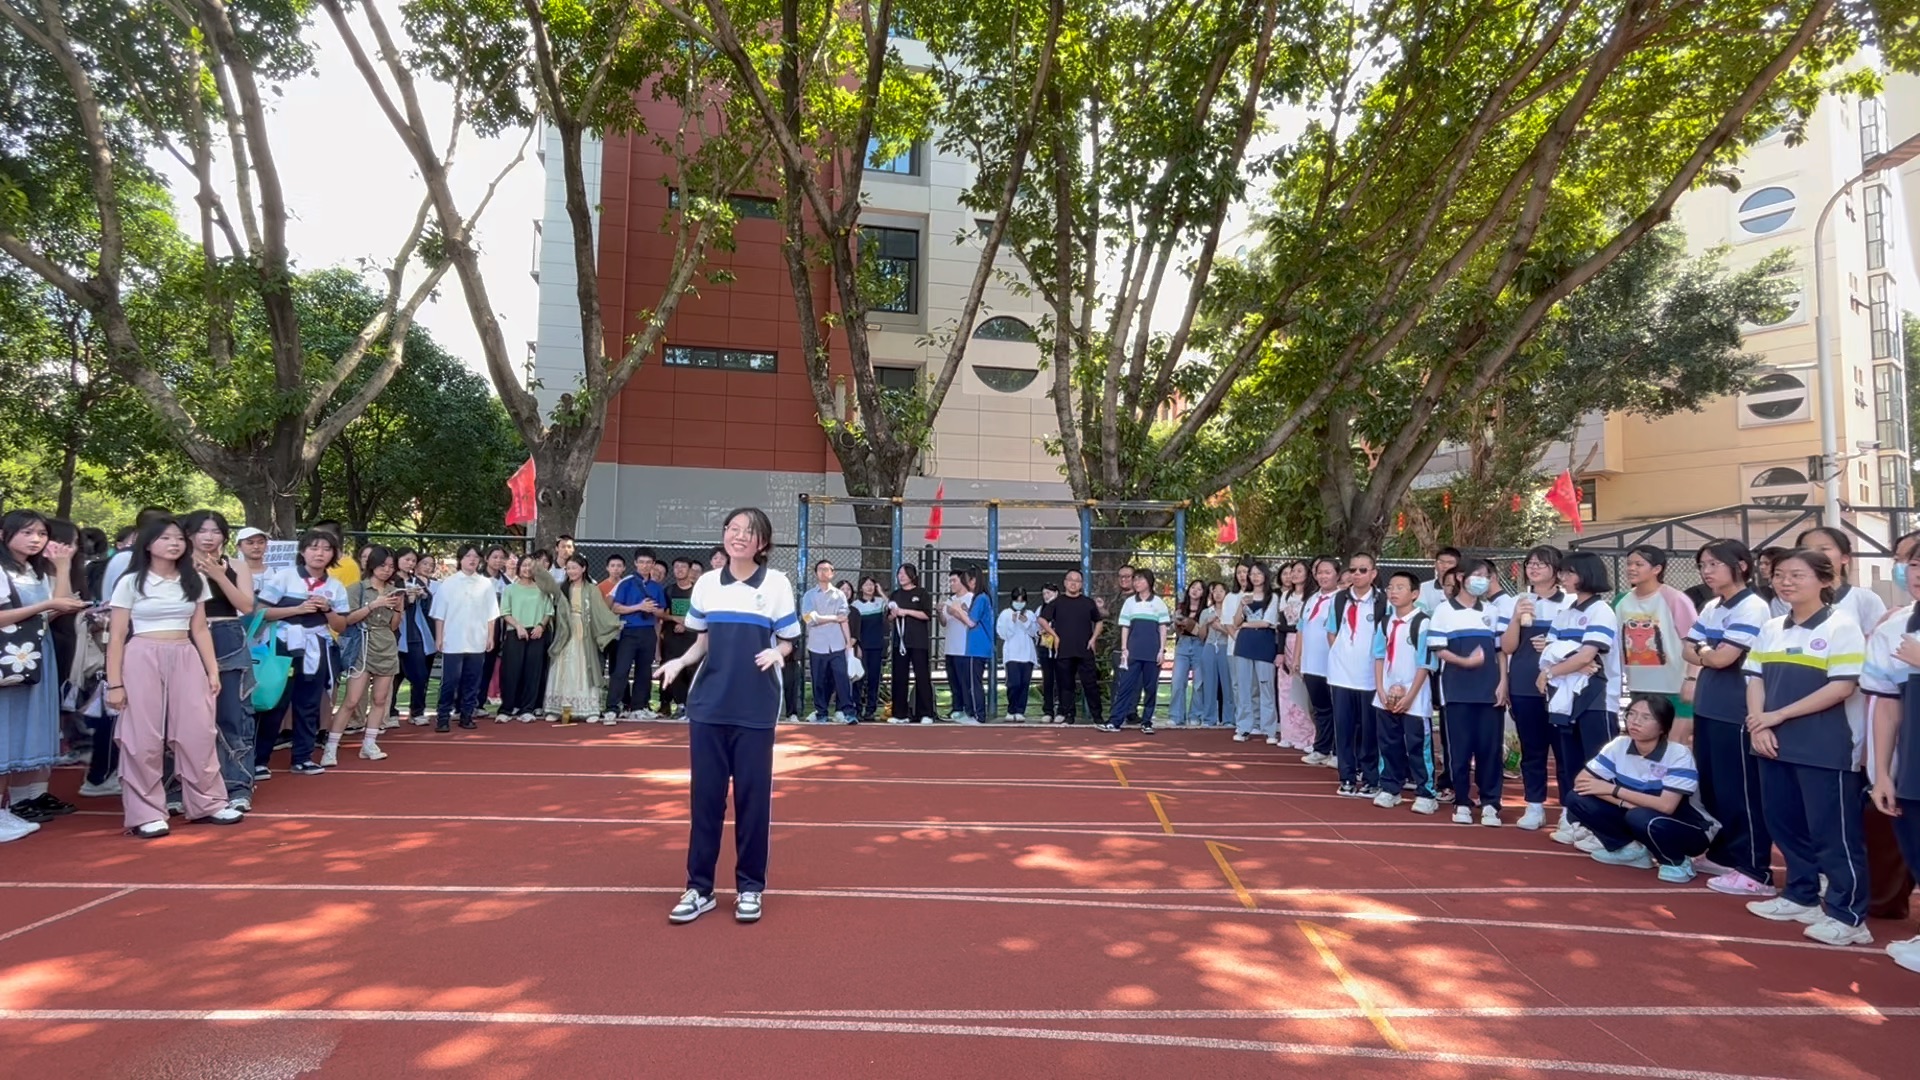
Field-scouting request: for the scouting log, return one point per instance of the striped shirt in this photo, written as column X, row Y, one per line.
column 1793, row 660
column 741, row 617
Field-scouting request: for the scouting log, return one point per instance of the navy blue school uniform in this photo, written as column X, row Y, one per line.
column 1524, row 699
column 732, row 709
column 1474, row 725
column 1887, row 676
column 1722, row 747
column 1811, row 792
column 1581, row 732
column 1672, row 839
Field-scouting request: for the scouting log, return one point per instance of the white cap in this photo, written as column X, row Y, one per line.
column 247, row 534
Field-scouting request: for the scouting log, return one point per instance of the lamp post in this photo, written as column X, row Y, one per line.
column 1906, row 151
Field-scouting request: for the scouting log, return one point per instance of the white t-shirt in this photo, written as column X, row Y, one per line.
column 1649, row 644
column 1350, row 653
column 466, row 604
column 956, row 637
column 1313, row 639
column 162, row 606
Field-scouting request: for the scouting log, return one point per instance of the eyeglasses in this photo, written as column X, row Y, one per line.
column 1359, row 569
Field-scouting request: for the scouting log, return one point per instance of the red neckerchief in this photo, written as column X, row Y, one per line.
column 1393, row 635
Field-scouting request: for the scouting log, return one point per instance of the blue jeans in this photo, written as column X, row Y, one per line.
column 1141, row 679
column 1256, row 709
column 828, row 670
column 1225, row 690
column 1019, row 678
column 1189, row 655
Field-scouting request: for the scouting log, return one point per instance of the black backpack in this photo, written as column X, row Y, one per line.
column 1345, row 597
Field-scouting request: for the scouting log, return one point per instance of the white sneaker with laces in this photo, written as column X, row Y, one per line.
column 1462, row 815
column 1426, row 805
column 330, row 756
column 1312, row 759
column 242, row 804
column 1490, row 816
column 1831, row 931
column 1589, row 844
column 1533, row 817
column 1273, row 740
column 226, row 815
column 926, row 719
column 372, row 752
column 1387, row 800
column 1239, row 736
column 107, row 789
column 1905, row 953
column 691, row 906
column 1566, row 832
column 1781, row 909
column 746, row 908
column 898, row 720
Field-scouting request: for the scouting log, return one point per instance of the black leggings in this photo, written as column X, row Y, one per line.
column 917, row 664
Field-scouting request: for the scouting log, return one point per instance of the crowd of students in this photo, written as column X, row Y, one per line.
column 1774, row 707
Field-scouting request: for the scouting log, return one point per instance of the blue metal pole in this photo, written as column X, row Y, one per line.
column 800, row 571
column 1180, row 555
column 899, row 541
column 1086, row 546
column 993, row 595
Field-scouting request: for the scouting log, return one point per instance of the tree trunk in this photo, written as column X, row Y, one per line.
column 69, row 462
column 876, row 542
column 562, row 463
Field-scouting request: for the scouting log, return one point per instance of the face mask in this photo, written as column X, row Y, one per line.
column 1477, row 586
column 1900, row 576
column 1019, row 605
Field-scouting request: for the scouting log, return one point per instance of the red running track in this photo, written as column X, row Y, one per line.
column 944, row 902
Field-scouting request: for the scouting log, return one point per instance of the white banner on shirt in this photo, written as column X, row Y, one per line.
column 280, row 553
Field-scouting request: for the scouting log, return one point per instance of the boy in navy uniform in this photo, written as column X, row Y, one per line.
column 744, row 614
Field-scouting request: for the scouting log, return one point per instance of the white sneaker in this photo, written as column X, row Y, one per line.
column 1566, row 832
column 1534, row 817
column 691, row 906
column 1239, row 736
column 1425, row 805
column 926, row 719
column 108, row 789
column 330, row 756
column 963, row 718
column 1387, row 800
column 1905, row 953
column 1831, row 931
column 242, row 804
column 1589, row 844
column 1781, row 909
column 1313, row 758
column 14, row 827
column 226, row 815
column 372, row 752
column 1462, row 815
column 746, row 908
column 1273, row 740
column 423, row 721
column 175, row 806
column 898, row 720
column 1490, row 816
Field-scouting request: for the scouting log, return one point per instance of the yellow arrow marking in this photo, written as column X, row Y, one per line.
column 1160, row 811
column 1119, row 773
column 1226, row 871
column 1317, row 937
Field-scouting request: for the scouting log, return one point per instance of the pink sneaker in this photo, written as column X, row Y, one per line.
column 1735, row 883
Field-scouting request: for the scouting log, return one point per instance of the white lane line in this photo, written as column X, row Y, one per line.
column 857, row 890
column 72, row 911
column 1092, row 753
column 1380, row 918
column 1487, row 1012
column 504, row 819
column 1137, row 1039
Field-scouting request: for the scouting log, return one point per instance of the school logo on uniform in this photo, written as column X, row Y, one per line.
column 1819, row 643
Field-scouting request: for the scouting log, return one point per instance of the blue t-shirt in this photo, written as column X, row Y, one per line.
column 632, row 590
column 980, row 634
column 741, row 617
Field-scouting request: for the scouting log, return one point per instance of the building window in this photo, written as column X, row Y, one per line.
column 904, row 379
column 1766, row 211
column 1005, row 328
column 1793, row 306
column 1777, row 397
column 1889, row 403
column 1873, row 129
column 1884, row 317
column 1893, row 480
column 721, row 359
column 1005, row 379
column 890, row 269
column 905, row 164
column 1777, row 485
column 1877, row 200
column 743, row 206
column 1589, row 500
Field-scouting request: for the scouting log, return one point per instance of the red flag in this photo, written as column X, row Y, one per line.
column 1229, row 531
column 935, row 515
column 1516, row 504
column 1565, row 498
column 521, row 486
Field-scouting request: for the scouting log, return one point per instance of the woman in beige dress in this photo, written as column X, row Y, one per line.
column 582, row 627
column 376, row 602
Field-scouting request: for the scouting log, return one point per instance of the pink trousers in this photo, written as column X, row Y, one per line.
column 168, row 706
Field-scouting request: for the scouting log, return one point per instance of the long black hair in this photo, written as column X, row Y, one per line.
column 15, row 522
column 192, row 585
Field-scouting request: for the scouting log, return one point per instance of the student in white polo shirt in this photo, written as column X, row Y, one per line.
column 1800, row 675
column 1639, row 797
column 1313, row 658
column 1523, row 638
column 1588, row 724
column 744, row 614
column 1727, row 629
column 1352, row 622
column 1892, row 677
column 1403, row 705
column 1463, row 637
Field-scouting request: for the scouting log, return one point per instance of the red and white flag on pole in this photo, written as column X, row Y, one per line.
column 1565, row 497
column 935, row 515
column 1229, row 531
column 521, row 487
